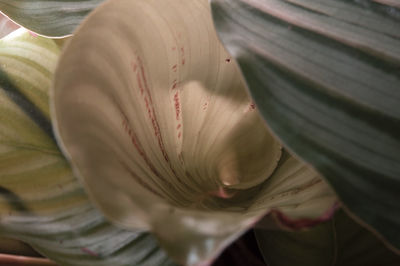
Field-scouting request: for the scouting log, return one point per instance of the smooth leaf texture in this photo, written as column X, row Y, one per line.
column 150, row 108
column 325, row 76
column 6, row 26
column 41, row 202
column 48, row 18
column 338, row 242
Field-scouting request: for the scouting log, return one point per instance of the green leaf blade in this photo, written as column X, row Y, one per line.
column 148, row 106
column 340, row 241
column 41, row 201
column 330, row 90
column 48, row 18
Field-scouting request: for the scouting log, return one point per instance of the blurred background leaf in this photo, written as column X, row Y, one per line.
column 49, row 18
column 41, row 201
column 338, row 242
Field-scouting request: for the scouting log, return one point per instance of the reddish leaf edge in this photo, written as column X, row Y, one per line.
column 280, row 221
column 17, row 25
column 277, row 220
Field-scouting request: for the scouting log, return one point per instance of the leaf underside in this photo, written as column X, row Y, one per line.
column 148, row 106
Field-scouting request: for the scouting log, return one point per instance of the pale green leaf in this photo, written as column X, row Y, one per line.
column 150, row 108
column 41, row 202
column 325, row 76
column 56, row 18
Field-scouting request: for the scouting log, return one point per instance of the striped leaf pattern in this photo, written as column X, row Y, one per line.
column 48, row 17
column 150, row 108
column 41, row 202
column 325, row 76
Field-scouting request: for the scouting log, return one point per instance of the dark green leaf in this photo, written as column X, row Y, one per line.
column 326, row 77
column 339, row 242
column 49, row 18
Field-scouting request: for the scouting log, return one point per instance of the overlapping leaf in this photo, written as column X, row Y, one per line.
column 325, row 76
column 41, row 202
column 149, row 106
column 49, row 18
column 338, row 242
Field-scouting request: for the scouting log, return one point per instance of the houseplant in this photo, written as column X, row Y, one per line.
column 109, row 28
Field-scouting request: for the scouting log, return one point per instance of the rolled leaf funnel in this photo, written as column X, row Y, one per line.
column 154, row 116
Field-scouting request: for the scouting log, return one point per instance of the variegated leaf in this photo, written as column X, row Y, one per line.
column 41, row 201
column 49, row 18
column 150, row 108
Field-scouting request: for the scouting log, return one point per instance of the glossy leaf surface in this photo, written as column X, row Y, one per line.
column 41, row 201
column 325, row 76
column 149, row 106
column 49, row 18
